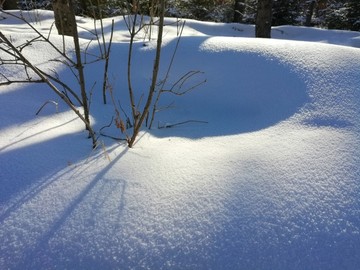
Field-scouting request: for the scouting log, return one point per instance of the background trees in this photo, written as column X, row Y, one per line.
column 8, row 4
column 353, row 15
column 285, row 12
column 333, row 14
column 339, row 14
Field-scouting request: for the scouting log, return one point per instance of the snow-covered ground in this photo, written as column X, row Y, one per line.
column 271, row 181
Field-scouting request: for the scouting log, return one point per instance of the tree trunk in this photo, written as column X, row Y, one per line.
column 353, row 15
column 263, row 19
column 64, row 22
column 239, row 8
column 310, row 13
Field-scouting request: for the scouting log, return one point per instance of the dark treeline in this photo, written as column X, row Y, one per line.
column 332, row 14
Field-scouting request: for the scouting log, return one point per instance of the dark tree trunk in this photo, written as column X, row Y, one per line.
column 263, row 19
column 310, row 13
column 353, row 15
column 64, row 22
column 239, row 8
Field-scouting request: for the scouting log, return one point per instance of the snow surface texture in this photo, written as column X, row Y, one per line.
column 271, row 182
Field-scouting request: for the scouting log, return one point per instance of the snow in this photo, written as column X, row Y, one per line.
column 271, row 181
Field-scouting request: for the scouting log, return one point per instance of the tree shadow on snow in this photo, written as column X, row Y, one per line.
column 88, row 211
column 27, row 186
column 33, row 165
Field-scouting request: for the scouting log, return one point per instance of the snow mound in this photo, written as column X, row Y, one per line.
column 355, row 42
column 270, row 182
column 245, row 91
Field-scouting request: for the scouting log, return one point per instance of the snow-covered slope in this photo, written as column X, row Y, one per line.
column 271, row 181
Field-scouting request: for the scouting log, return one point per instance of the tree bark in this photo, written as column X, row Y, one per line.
column 263, row 19
column 64, row 22
column 239, row 8
column 310, row 13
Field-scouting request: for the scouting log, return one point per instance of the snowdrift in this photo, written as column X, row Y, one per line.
column 271, row 181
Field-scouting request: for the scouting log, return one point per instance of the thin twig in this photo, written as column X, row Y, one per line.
column 48, row 102
column 41, row 35
column 107, row 58
column 52, row 86
column 179, row 84
column 181, row 123
column 109, row 136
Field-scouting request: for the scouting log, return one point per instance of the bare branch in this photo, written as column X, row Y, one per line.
column 176, row 89
column 169, row 106
column 65, row 86
column 181, row 123
column 139, row 121
column 49, row 102
column 109, row 136
column 52, row 86
column 107, row 58
column 166, row 76
column 41, row 35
